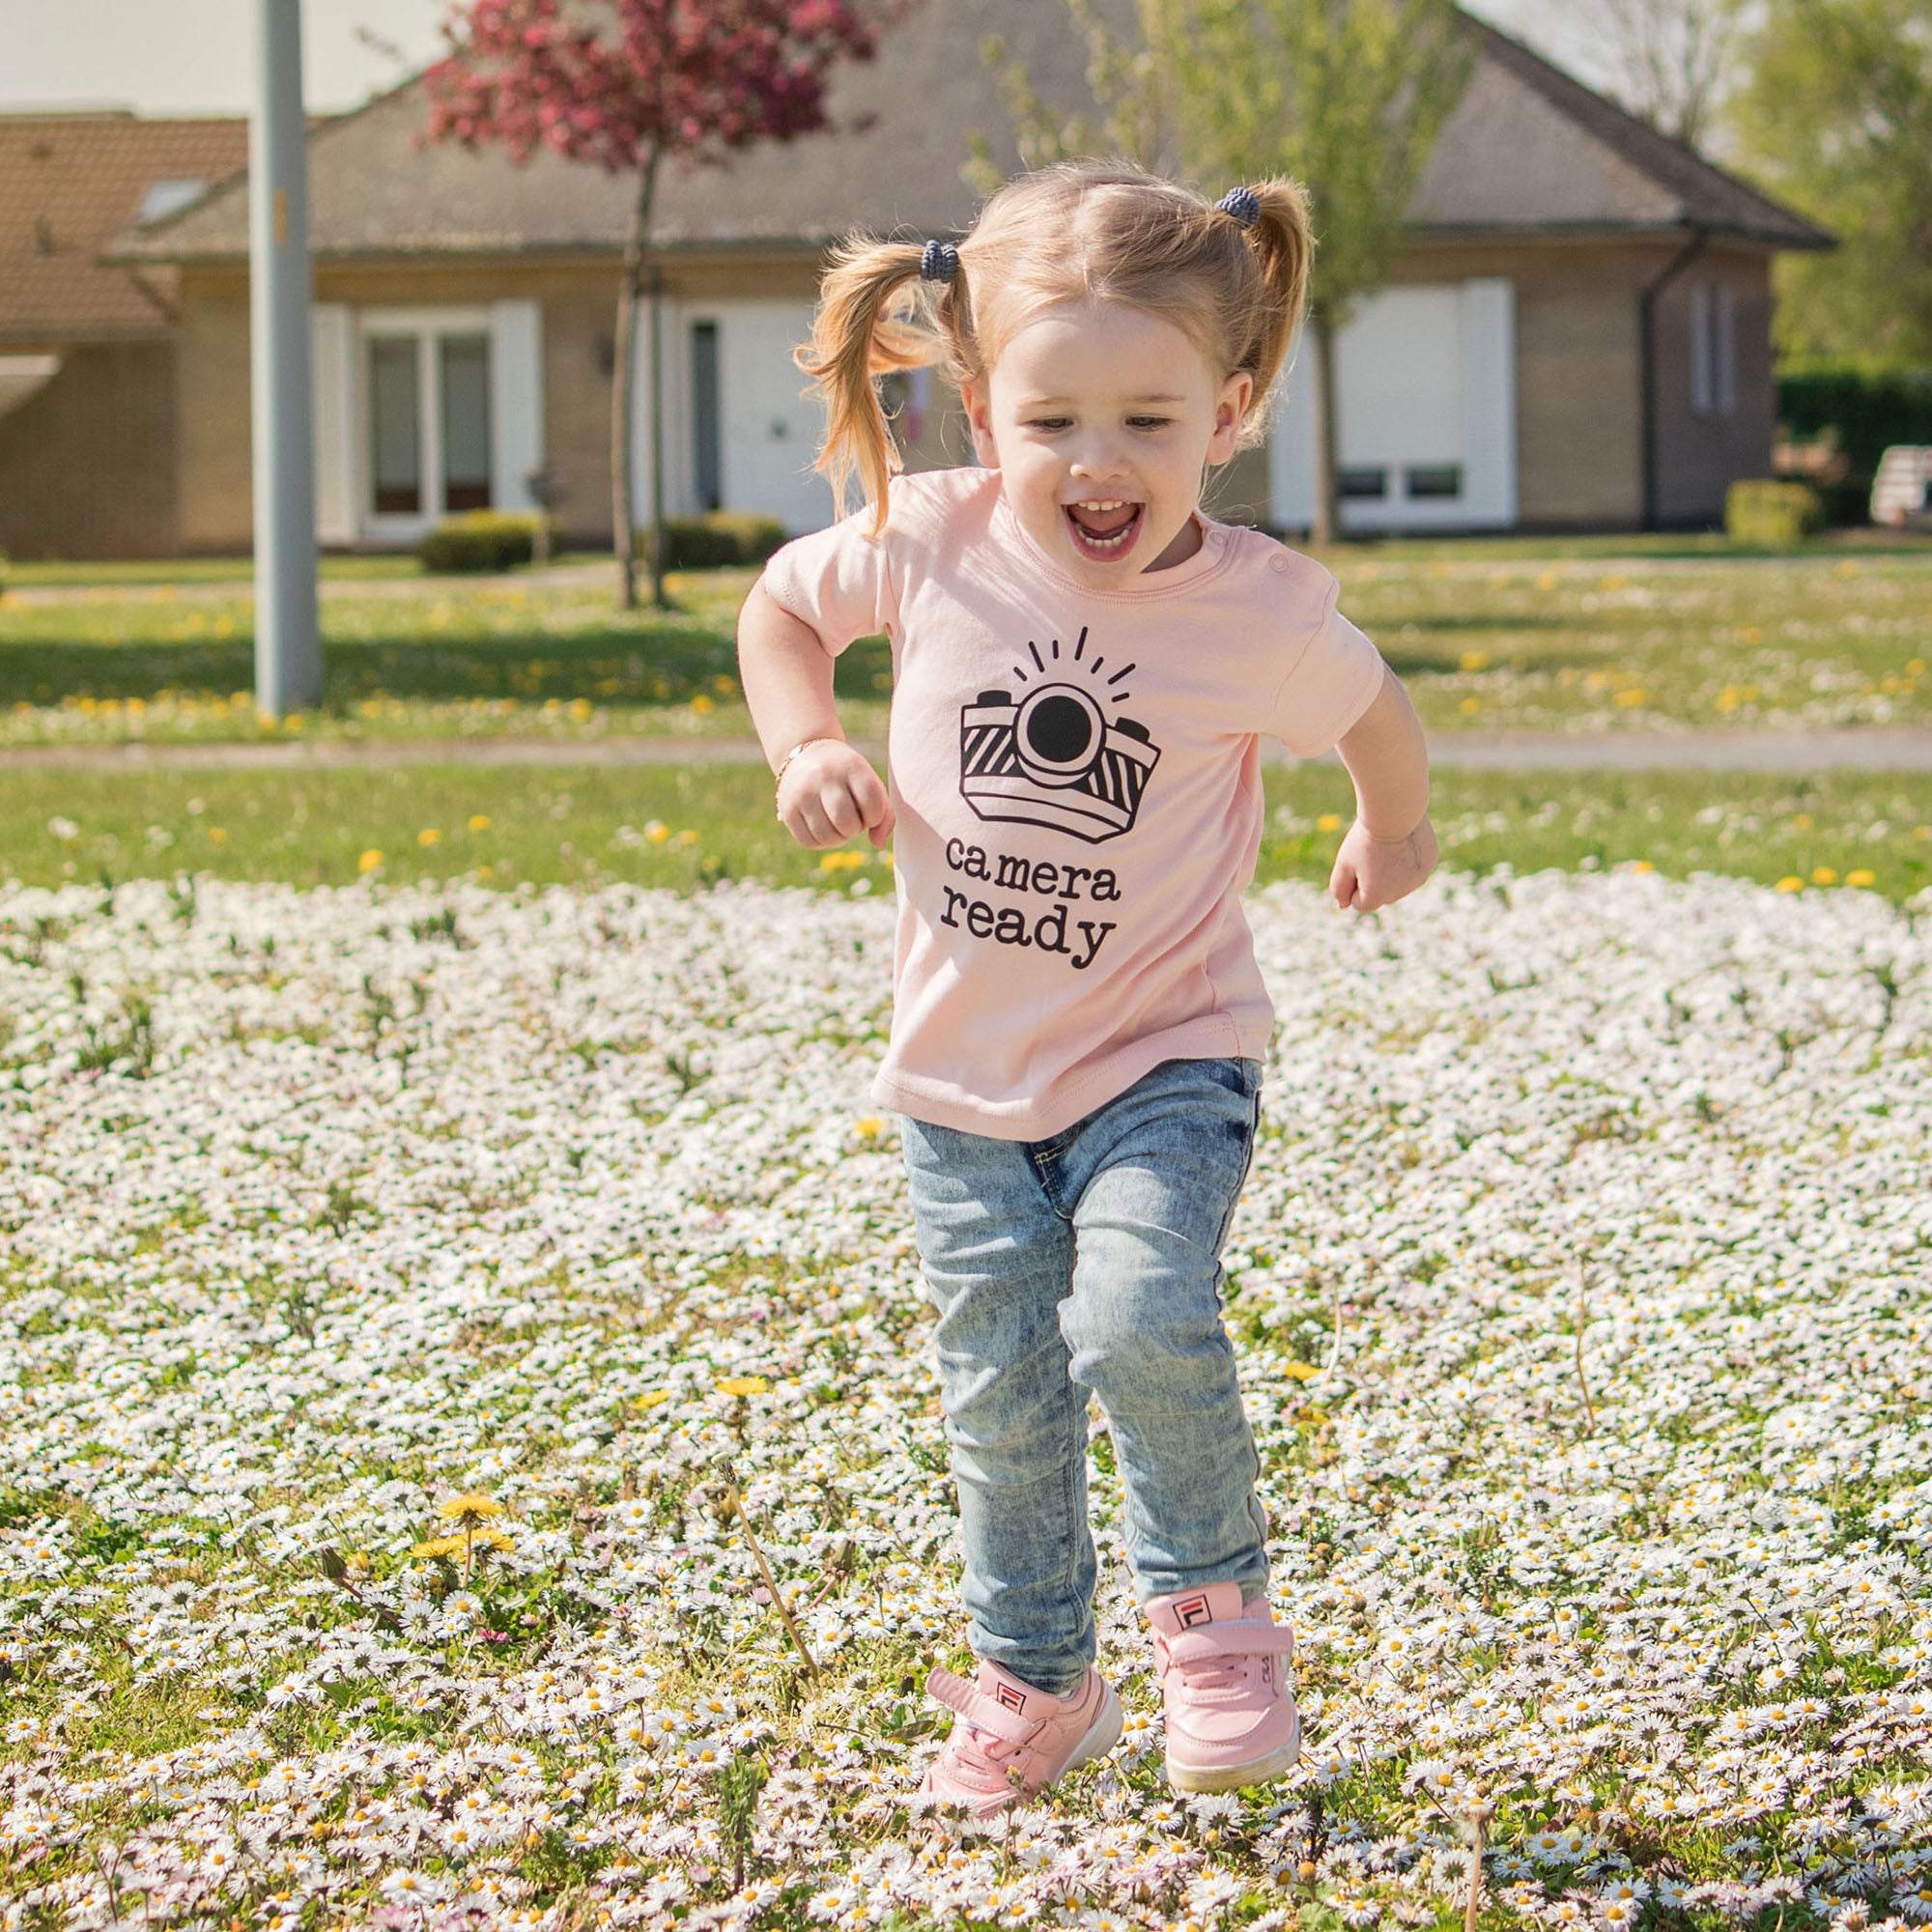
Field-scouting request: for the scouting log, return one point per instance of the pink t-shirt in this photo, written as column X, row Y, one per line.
column 1077, row 778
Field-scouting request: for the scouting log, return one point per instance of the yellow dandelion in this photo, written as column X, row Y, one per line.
column 1470, row 706
column 1791, row 883
column 1628, row 699
column 479, row 821
column 1800, row 821
column 216, row 834
column 1861, row 877
column 1641, row 865
column 1301, row 1372
column 743, row 1384
column 1547, row 580
column 1824, row 875
column 703, row 704
column 470, row 1507
column 651, row 1398
column 580, row 708
column 870, row 1128
column 439, row 1547
column 428, row 835
column 724, row 685
column 1473, row 661
column 1329, row 821
column 369, row 861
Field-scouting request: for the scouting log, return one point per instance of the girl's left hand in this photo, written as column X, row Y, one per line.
column 1370, row 872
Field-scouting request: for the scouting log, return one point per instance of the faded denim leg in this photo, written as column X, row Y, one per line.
column 996, row 1257
column 1154, row 1178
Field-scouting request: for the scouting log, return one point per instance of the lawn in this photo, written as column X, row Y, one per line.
column 682, row 827
column 1494, row 636
column 427, row 1314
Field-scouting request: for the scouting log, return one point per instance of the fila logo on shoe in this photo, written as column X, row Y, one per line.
column 1193, row 1610
column 1012, row 1699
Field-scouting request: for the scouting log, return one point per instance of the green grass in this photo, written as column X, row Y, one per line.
column 684, row 827
column 1508, row 634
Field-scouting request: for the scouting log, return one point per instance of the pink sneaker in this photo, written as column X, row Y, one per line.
column 1013, row 1740
column 1225, row 1680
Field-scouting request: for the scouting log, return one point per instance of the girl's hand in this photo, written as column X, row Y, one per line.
column 831, row 793
column 1370, row 872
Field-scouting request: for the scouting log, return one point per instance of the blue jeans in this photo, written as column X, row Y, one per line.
column 1084, row 1265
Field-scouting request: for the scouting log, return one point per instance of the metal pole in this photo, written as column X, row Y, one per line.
column 288, row 646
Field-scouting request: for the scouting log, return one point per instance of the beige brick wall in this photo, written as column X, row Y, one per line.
column 1698, row 456
column 1578, row 361
column 87, row 462
column 212, row 376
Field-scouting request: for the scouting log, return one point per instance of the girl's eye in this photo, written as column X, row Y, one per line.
column 1051, row 423
column 1149, row 422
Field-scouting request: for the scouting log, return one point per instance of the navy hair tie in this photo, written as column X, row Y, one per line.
column 1243, row 204
column 939, row 263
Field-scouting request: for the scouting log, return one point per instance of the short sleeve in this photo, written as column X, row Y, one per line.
column 1335, row 677
column 838, row 581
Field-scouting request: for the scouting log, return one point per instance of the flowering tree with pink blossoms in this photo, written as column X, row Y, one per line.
column 628, row 84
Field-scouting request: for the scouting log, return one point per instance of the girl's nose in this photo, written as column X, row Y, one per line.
column 1100, row 458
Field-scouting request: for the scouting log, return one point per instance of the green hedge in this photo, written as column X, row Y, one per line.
column 487, row 540
column 1864, row 408
column 719, row 541
column 1774, row 516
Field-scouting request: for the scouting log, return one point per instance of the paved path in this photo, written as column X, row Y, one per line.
column 1873, row 749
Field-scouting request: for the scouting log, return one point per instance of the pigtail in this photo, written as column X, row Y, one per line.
column 1283, row 243
column 856, row 338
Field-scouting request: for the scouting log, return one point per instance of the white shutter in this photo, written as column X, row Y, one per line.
column 515, row 401
column 1291, row 444
column 1489, row 402
column 332, row 357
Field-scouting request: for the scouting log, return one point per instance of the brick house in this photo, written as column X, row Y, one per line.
column 88, row 415
column 1577, row 337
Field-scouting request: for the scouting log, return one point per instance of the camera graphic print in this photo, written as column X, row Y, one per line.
column 1047, row 753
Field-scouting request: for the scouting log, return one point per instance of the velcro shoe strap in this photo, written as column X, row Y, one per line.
column 1231, row 1639
column 978, row 1710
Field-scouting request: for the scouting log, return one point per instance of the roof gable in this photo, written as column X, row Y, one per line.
column 1528, row 150
column 70, row 182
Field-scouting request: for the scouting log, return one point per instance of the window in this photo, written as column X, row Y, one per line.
column 466, row 421
column 1434, row 479
column 1358, row 484
column 1714, row 350
column 706, row 461
column 429, row 401
column 395, row 448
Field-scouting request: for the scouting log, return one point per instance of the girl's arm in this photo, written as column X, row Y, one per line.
column 1390, row 849
column 829, row 792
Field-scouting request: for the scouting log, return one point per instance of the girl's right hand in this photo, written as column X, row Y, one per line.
column 831, row 793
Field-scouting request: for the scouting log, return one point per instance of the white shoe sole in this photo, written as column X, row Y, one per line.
column 1102, row 1738
column 1234, row 1777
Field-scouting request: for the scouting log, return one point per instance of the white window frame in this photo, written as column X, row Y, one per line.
column 428, row 325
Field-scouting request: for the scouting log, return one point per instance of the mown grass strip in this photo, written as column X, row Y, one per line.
column 683, row 826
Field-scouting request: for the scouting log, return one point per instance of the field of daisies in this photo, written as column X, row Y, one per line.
column 467, row 1453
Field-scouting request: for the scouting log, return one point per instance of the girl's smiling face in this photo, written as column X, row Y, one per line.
column 1101, row 419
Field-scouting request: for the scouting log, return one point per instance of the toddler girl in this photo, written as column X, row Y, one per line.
column 1083, row 665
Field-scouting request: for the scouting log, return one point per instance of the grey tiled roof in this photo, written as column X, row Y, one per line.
column 1527, row 150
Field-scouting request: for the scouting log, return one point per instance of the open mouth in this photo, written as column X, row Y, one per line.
column 1103, row 529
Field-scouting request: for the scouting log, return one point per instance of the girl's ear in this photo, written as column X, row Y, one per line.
column 1230, row 412
column 980, row 421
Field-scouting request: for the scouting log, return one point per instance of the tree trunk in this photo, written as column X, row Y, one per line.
column 657, row 543
column 1328, row 524
column 623, row 351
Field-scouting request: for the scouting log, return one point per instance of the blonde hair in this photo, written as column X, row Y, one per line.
column 1076, row 231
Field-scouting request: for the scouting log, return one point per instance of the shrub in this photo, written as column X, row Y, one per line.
column 718, row 541
column 479, row 540
column 1774, row 516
